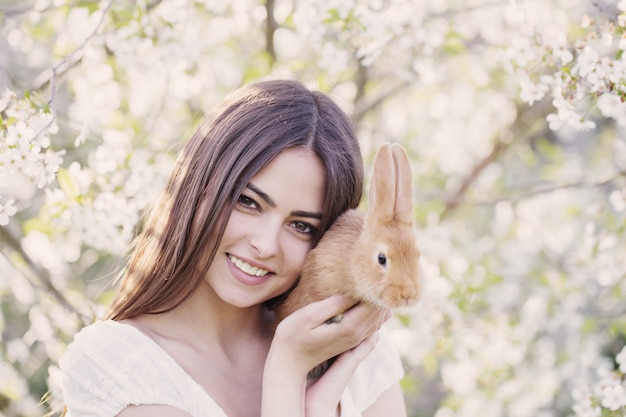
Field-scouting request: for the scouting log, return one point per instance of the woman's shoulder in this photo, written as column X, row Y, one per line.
column 110, row 365
column 104, row 339
column 106, row 331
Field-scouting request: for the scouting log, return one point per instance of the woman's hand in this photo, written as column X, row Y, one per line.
column 302, row 341
column 323, row 396
column 306, row 340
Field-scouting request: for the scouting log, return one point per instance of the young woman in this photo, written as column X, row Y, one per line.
column 190, row 332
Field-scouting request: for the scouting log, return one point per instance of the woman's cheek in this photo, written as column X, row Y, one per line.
column 300, row 256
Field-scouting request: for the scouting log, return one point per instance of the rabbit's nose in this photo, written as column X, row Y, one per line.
column 400, row 296
column 411, row 295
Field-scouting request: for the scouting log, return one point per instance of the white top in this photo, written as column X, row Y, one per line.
column 112, row 365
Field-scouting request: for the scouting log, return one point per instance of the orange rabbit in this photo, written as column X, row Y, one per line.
column 371, row 257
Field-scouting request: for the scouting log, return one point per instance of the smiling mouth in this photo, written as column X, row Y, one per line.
column 247, row 268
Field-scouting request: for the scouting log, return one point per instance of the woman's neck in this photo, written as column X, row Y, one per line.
column 203, row 319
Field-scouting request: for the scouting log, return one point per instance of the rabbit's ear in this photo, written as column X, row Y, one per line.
column 403, row 208
column 390, row 195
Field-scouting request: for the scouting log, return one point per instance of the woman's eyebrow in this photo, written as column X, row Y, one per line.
column 311, row 214
column 268, row 200
column 262, row 194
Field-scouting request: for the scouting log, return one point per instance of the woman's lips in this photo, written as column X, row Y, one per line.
column 246, row 273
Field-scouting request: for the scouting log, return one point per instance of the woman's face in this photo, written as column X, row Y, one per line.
column 270, row 230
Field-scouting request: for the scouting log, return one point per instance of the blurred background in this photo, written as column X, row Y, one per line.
column 513, row 115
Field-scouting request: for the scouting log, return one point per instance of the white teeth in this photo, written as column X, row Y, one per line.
column 247, row 268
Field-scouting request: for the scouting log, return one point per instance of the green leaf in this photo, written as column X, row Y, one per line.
column 430, row 363
column 67, row 184
column 454, row 44
column 39, row 225
column 333, row 16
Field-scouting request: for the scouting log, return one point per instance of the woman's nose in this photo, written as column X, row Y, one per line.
column 265, row 239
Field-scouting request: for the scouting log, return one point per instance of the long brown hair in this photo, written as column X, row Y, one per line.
column 182, row 230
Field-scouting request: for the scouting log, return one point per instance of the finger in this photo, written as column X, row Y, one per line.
column 317, row 313
column 366, row 316
column 346, row 363
column 334, row 381
column 356, row 323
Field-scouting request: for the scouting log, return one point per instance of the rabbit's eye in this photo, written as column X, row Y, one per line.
column 382, row 259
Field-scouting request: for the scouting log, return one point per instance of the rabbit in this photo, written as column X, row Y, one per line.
column 370, row 257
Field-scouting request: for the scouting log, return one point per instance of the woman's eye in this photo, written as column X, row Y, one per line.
column 304, row 227
column 246, row 201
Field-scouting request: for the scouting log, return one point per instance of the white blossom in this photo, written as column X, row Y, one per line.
column 7, row 210
column 521, row 51
column 530, row 91
column 560, row 49
column 614, row 396
column 587, row 61
column 586, row 409
column 25, row 141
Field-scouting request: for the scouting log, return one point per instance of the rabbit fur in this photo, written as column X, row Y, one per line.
column 370, row 257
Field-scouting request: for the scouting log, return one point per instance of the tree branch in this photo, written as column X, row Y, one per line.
column 538, row 190
column 13, row 11
column 467, row 182
column 270, row 29
column 362, row 107
column 49, row 76
column 498, row 149
column 8, row 240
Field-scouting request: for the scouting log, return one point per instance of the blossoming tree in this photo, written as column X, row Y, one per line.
column 514, row 117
